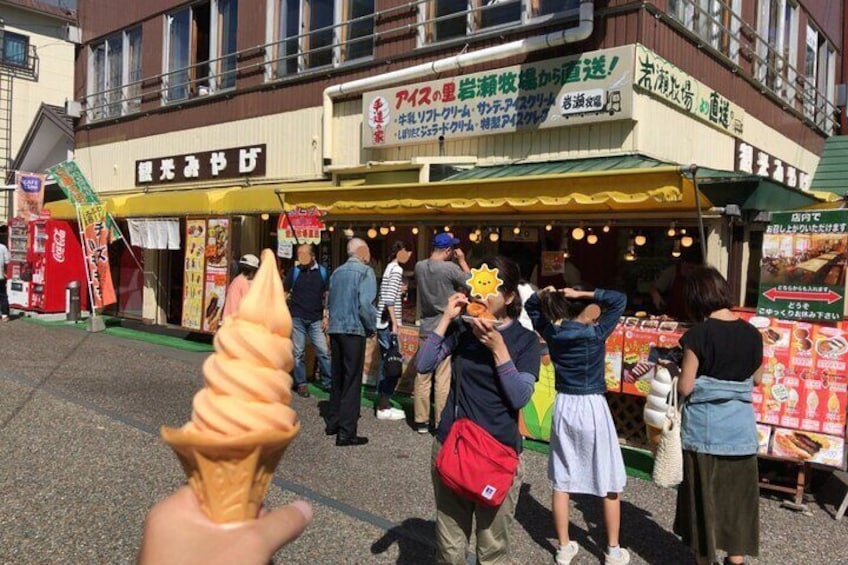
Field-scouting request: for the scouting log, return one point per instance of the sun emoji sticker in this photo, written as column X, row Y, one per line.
column 484, row 282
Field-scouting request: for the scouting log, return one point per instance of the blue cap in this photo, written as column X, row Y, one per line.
column 444, row 240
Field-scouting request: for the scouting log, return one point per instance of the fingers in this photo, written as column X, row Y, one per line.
column 283, row 525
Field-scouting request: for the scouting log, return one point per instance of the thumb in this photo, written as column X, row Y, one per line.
column 283, row 525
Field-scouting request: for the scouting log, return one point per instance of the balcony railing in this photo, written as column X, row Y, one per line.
column 216, row 76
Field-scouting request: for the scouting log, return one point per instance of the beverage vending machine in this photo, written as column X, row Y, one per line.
column 55, row 258
column 19, row 272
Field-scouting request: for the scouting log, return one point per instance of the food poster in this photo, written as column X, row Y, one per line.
column 648, row 343
column 809, row 447
column 831, row 350
column 779, row 377
column 217, row 254
column 193, row 277
column 614, row 359
column 552, row 263
column 408, row 343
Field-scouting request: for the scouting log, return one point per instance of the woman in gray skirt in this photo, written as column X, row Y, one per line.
column 718, row 501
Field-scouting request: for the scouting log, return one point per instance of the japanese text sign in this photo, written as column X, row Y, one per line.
column 96, row 248
column 802, row 272
column 585, row 88
column 206, row 165
column 301, row 225
column 663, row 80
column 755, row 161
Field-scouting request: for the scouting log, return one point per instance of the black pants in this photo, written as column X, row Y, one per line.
column 347, row 355
column 4, row 299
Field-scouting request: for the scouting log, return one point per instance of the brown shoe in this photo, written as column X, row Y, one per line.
column 303, row 391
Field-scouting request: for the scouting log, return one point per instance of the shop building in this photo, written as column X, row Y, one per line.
column 556, row 133
column 36, row 69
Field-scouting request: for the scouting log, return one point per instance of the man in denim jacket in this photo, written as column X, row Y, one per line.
column 353, row 288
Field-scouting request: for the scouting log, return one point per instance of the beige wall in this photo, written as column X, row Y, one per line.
column 55, row 80
column 293, row 142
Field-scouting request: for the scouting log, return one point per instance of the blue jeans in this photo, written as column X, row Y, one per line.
column 300, row 330
column 385, row 387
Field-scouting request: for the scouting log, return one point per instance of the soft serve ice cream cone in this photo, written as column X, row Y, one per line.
column 242, row 422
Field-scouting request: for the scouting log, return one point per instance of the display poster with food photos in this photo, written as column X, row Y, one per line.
column 804, row 391
column 193, row 280
column 648, row 343
column 217, row 254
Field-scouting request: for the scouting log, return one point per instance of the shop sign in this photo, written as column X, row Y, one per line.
column 230, row 163
column 585, row 88
column 96, row 248
column 78, row 191
column 754, row 161
column 666, row 82
column 802, row 274
column 300, row 225
column 29, row 194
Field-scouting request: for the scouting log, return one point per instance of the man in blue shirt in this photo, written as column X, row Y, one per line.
column 352, row 318
column 307, row 283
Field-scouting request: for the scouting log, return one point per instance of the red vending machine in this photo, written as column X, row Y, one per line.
column 55, row 255
column 19, row 270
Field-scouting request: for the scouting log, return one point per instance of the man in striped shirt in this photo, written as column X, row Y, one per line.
column 389, row 320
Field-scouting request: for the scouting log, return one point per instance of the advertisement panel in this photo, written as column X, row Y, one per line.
column 217, row 254
column 96, row 250
column 29, row 195
column 193, row 279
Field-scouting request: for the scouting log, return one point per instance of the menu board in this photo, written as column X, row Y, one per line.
column 217, row 254
column 804, row 391
column 647, row 344
column 193, row 274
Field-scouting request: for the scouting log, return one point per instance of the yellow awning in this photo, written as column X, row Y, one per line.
column 657, row 189
column 635, row 190
column 197, row 202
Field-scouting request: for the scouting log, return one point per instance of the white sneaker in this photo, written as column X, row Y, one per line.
column 391, row 414
column 566, row 553
column 623, row 558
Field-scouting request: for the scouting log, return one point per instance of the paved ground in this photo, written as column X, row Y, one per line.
column 81, row 462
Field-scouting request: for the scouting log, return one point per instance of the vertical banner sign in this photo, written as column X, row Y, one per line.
column 217, row 264
column 193, row 279
column 303, row 225
column 96, row 246
column 29, row 194
column 802, row 274
column 76, row 187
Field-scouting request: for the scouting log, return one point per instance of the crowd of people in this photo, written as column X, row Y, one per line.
column 484, row 370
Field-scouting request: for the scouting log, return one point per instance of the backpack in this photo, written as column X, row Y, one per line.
column 321, row 269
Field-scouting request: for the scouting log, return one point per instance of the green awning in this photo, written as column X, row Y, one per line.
column 593, row 164
column 832, row 172
column 751, row 192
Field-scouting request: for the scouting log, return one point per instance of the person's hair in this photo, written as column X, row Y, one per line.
column 510, row 274
column 248, row 271
column 313, row 249
column 354, row 244
column 704, row 292
column 555, row 306
column 397, row 247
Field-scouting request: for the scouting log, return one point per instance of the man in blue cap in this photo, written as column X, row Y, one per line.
column 437, row 278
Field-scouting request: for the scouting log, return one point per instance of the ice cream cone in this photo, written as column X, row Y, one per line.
column 229, row 476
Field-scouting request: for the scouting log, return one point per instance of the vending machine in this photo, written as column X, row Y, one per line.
column 56, row 258
column 19, row 272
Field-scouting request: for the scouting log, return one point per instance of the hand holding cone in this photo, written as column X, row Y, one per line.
column 241, row 421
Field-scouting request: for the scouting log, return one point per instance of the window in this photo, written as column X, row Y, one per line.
column 13, row 49
column 114, row 75
column 201, row 43
column 717, row 22
column 777, row 46
column 820, row 79
column 311, row 34
column 443, row 20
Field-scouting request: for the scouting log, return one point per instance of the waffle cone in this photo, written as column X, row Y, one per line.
column 229, row 476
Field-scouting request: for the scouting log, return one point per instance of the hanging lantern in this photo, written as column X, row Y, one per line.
column 592, row 238
column 384, row 230
column 415, row 230
column 675, row 250
column 494, row 235
column 607, row 227
column 549, row 227
column 578, row 233
column 265, row 217
column 516, row 230
column 473, row 237
column 372, row 233
column 687, row 241
column 392, row 228
column 672, row 231
column 640, row 239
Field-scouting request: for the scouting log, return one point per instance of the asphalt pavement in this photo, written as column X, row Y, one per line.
column 81, row 462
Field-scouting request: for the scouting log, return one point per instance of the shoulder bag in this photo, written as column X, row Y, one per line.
column 472, row 463
column 668, row 462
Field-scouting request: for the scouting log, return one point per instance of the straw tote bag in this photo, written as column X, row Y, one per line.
column 668, row 462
